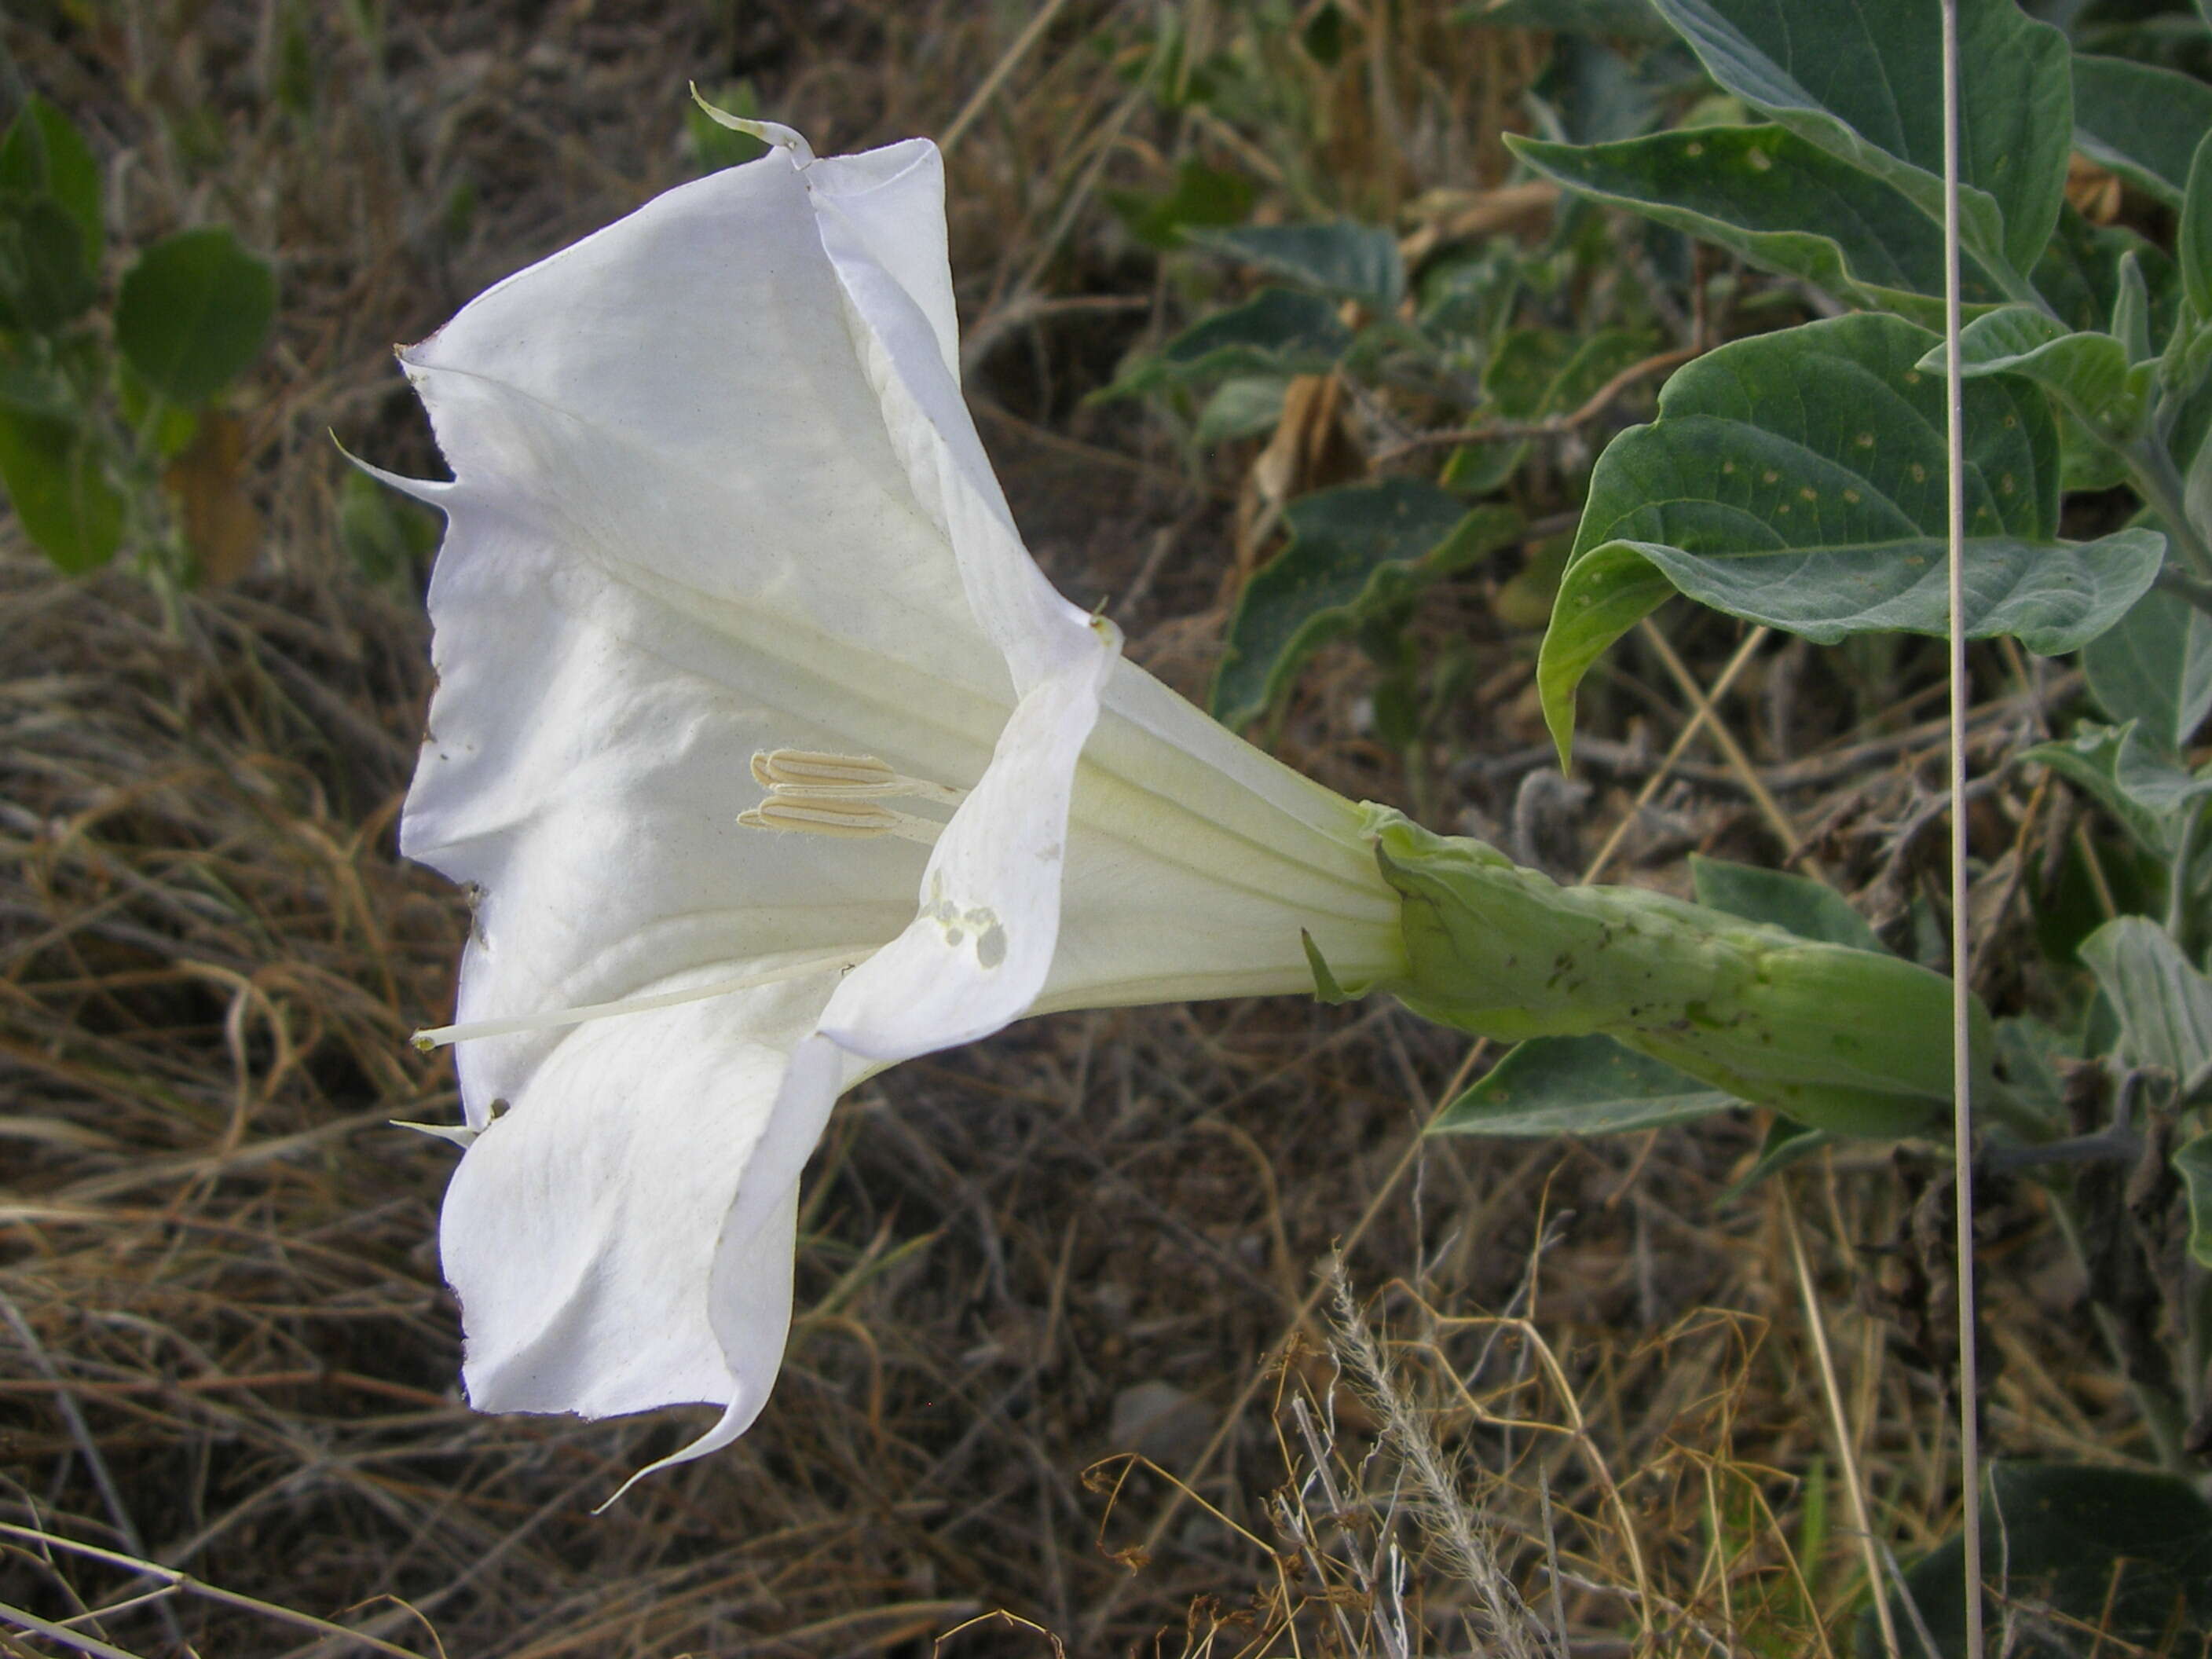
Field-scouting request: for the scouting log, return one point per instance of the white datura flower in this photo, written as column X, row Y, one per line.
column 771, row 759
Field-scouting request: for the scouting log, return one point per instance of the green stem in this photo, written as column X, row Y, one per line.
column 2159, row 481
column 2183, row 586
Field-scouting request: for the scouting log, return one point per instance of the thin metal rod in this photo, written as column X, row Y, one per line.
column 1962, row 1068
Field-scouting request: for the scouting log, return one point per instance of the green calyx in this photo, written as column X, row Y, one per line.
column 1837, row 1038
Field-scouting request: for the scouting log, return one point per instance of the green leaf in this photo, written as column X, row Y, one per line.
column 1202, row 195
column 57, row 478
column 2132, row 324
column 45, row 281
column 1241, row 407
column 2194, row 250
column 1862, row 80
column 2193, row 1163
column 2134, row 780
column 44, row 155
column 1343, row 259
column 2143, row 122
column 1352, row 552
column 1778, row 201
column 1810, row 909
column 1275, row 331
column 194, row 311
column 1578, row 1085
column 2154, row 666
column 2079, row 272
column 2113, row 1549
column 1824, row 515
column 2089, row 373
column 2164, row 1004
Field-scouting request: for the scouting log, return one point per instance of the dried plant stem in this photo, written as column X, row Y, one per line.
column 1754, row 786
column 978, row 99
column 1701, row 711
column 1846, row 1455
column 1961, row 941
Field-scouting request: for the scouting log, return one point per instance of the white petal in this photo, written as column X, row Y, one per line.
column 876, row 242
column 892, row 201
column 980, row 951
column 620, row 1239
column 679, row 533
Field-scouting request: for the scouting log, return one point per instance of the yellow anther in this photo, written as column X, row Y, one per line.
column 809, row 774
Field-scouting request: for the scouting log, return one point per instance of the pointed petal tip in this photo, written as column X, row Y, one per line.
column 735, row 1420
column 774, row 133
column 431, row 492
column 460, row 1135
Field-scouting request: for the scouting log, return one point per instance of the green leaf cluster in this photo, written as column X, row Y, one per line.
column 96, row 407
column 2086, row 356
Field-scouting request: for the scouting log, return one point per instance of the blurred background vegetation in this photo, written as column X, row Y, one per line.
column 1160, row 1329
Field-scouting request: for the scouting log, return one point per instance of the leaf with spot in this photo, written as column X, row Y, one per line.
column 2142, row 121
column 1578, row 1085
column 1780, row 202
column 1797, row 479
column 1862, row 79
column 1354, row 553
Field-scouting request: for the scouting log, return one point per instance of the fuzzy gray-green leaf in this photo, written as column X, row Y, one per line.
column 2165, row 1006
column 2088, row 372
column 1351, row 549
column 1811, row 909
column 2154, row 667
column 1584, row 1085
column 1343, row 259
column 1780, row 202
column 2136, row 780
column 1797, row 479
column 2142, row 121
column 1862, row 80
column 2193, row 251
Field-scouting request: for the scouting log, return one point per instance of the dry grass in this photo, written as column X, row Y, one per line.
column 1156, row 1331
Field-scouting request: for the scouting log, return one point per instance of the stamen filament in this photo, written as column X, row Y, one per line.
column 851, row 820
column 438, row 1037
